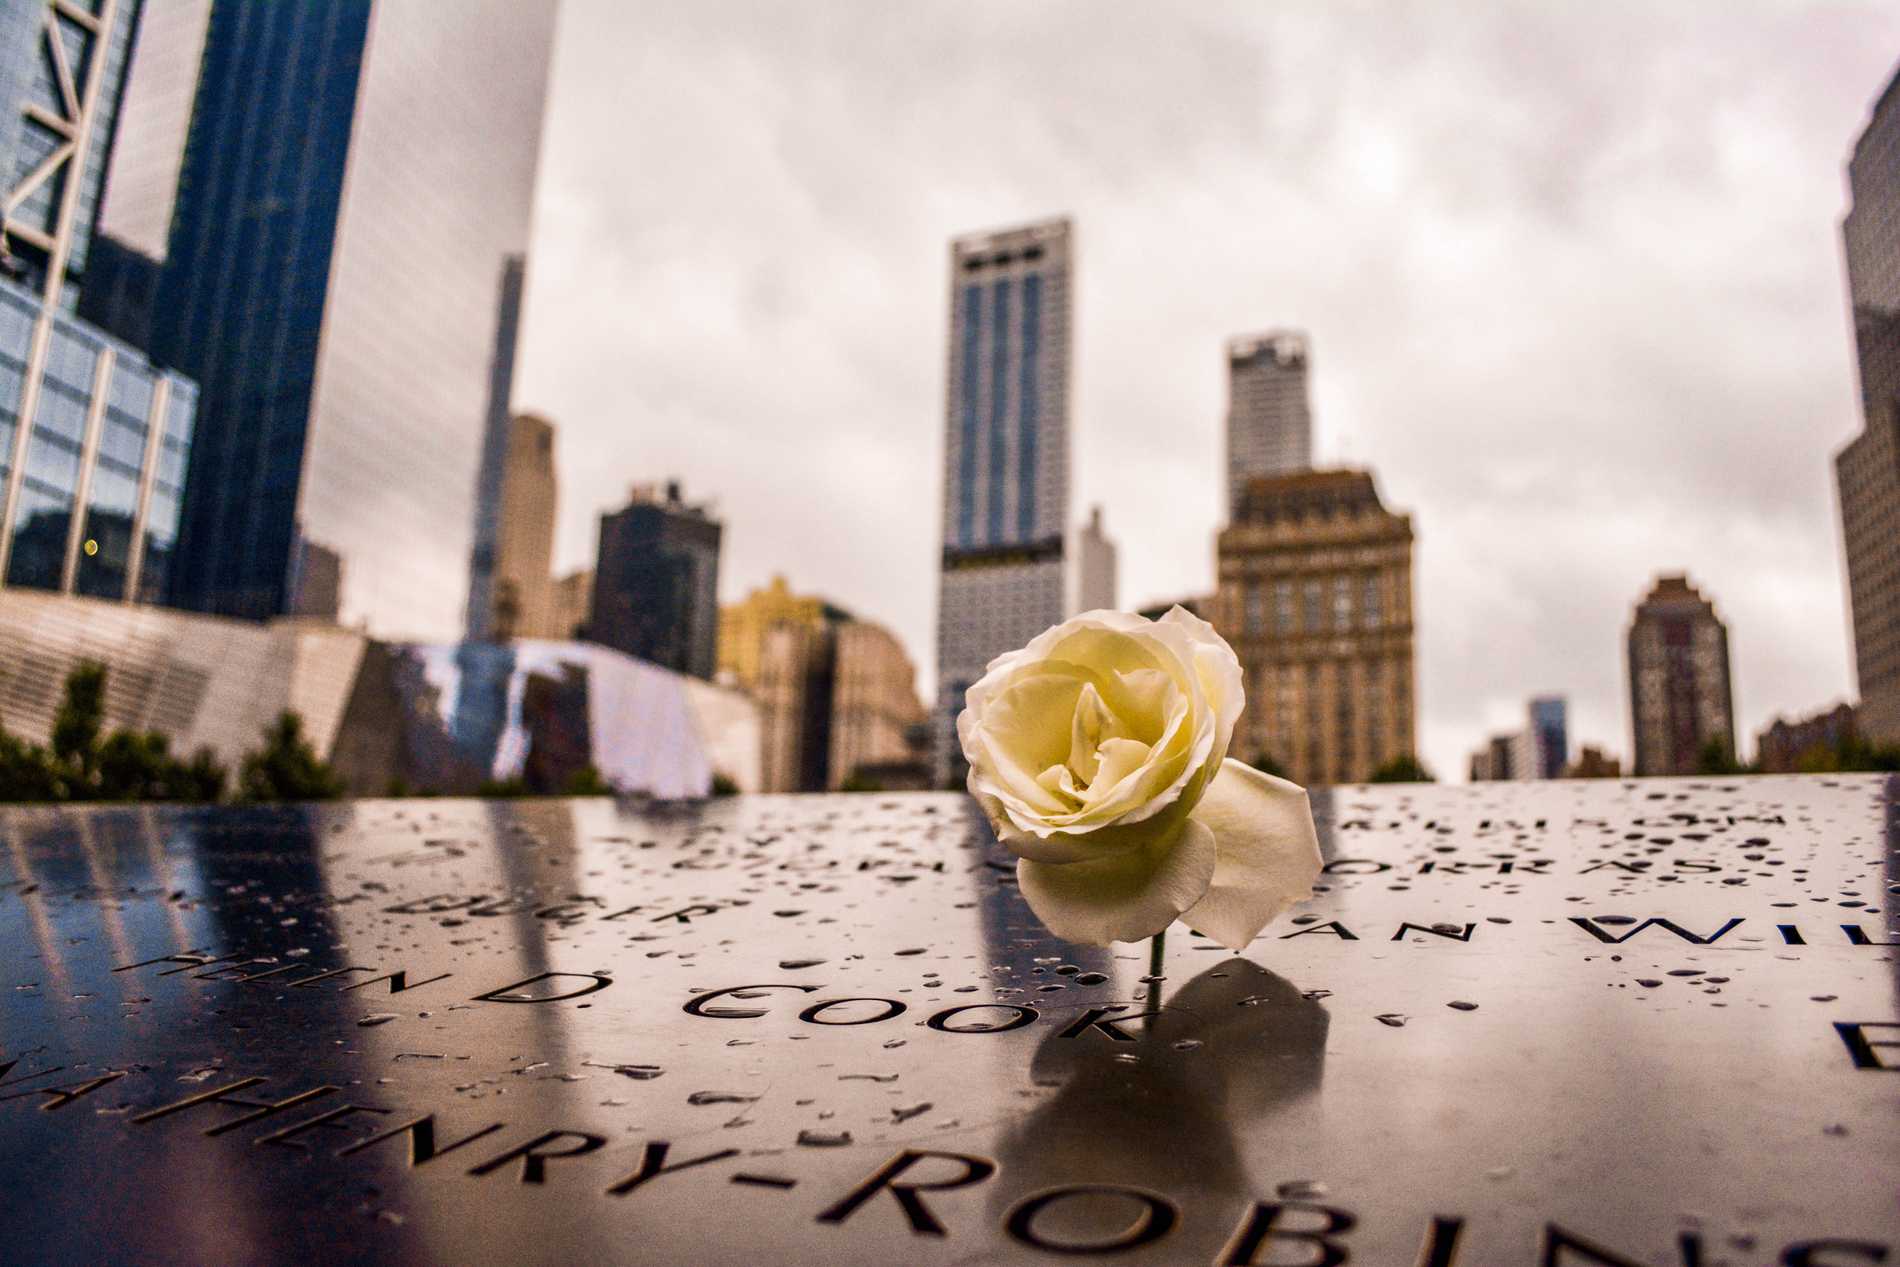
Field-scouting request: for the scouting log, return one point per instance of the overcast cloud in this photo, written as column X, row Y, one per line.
column 1571, row 272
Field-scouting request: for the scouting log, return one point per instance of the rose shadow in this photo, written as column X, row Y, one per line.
column 1236, row 1050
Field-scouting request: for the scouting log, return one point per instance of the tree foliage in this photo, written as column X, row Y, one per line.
column 1402, row 769
column 1264, row 762
column 287, row 768
column 84, row 763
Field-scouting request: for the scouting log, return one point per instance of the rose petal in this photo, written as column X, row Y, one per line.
column 1123, row 898
column 1268, row 853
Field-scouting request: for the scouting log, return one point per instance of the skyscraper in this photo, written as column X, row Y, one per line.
column 341, row 272
column 1094, row 565
column 1539, row 751
column 1006, row 457
column 93, row 437
column 1269, row 422
column 1867, row 471
column 1315, row 596
column 656, row 582
column 1679, row 679
column 523, row 603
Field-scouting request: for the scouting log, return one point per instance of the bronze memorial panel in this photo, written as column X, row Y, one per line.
column 1652, row 1022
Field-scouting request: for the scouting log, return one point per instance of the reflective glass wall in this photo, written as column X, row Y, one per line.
column 337, row 295
column 94, row 501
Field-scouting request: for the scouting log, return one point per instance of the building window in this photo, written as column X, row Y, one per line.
column 1255, row 621
column 966, row 421
column 1370, row 613
column 1027, row 420
column 999, row 397
column 1283, row 607
column 1315, row 606
column 1342, row 602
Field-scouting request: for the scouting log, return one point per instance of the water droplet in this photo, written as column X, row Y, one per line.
column 1186, row 1044
column 799, row 963
column 1394, row 1019
column 377, row 1018
column 720, row 1097
column 1462, row 1006
column 824, row 1139
column 907, row 1112
column 1300, row 1190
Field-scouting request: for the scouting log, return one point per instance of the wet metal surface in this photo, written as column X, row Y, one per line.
column 1598, row 1023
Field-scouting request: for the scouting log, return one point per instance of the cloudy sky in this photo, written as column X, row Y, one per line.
column 1571, row 272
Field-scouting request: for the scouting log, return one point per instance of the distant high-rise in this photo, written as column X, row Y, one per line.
column 1315, row 596
column 1868, row 469
column 1006, row 458
column 523, row 602
column 1497, row 760
column 1680, row 700
column 1094, row 566
column 1539, row 751
column 93, row 437
column 1269, row 422
column 345, row 296
column 569, row 603
column 656, row 582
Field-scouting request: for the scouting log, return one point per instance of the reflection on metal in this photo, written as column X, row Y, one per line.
column 1604, row 1022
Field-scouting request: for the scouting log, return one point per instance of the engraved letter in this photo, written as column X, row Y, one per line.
column 922, row 1221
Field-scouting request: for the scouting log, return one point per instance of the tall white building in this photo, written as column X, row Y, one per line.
column 1094, row 566
column 1269, row 423
column 1006, row 458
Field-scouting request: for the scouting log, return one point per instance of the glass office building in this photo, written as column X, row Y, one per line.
column 93, row 506
column 356, row 180
column 1004, row 576
column 94, row 439
column 62, row 72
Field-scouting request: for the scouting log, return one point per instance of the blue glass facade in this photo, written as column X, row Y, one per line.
column 89, row 449
column 966, row 397
column 355, row 179
column 999, row 403
column 1027, row 393
column 241, row 300
column 999, row 375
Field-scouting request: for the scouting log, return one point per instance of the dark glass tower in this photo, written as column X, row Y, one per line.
column 656, row 584
column 356, row 178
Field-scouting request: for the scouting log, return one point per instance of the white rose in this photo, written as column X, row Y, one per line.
column 1099, row 754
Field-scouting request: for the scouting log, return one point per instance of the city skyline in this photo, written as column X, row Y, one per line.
column 1619, row 278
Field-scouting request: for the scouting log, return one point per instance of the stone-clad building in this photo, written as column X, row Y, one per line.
column 836, row 698
column 1315, row 595
column 1868, row 469
column 1679, row 679
column 743, row 627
